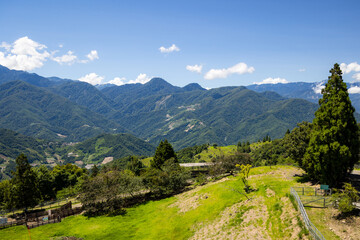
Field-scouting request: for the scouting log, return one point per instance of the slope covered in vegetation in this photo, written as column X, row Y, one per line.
column 211, row 211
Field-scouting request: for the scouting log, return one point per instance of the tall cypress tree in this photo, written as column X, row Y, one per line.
column 27, row 193
column 334, row 143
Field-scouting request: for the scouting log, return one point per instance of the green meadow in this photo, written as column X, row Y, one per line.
column 216, row 210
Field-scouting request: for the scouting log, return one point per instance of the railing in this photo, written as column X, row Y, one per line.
column 315, row 233
column 314, row 197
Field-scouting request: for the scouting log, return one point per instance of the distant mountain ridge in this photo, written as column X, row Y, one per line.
column 304, row 90
column 154, row 111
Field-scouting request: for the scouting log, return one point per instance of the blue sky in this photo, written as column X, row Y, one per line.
column 223, row 43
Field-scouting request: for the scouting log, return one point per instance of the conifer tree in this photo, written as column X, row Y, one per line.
column 334, row 144
column 163, row 152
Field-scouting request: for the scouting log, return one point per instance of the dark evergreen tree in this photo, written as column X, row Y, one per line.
column 27, row 193
column 94, row 171
column 163, row 152
column 334, row 143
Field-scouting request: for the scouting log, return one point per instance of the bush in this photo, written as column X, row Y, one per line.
column 170, row 179
column 343, row 199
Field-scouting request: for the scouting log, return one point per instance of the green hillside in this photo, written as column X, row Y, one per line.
column 223, row 116
column 12, row 144
column 212, row 211
column 94, row 150
column 36, row 112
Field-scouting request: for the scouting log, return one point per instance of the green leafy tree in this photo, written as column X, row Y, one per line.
column 45, row 183
column 334, row 143
column 7, row 195
column 135, row 165
column 163, row 152
column 297, row 141
column 27, row 193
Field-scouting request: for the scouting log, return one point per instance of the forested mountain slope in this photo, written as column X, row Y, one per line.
column 33, row 111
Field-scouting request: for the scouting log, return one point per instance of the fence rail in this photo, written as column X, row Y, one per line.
column 40, row 220
column 315, row 233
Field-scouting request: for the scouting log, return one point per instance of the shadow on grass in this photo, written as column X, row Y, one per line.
column 304, row 178
column 348, row 216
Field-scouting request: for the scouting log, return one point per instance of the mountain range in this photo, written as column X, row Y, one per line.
column 304, row 90
column 66, row 110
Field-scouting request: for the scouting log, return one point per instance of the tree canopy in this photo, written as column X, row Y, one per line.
column 26, row 186
column 163, row 153
column 334, row 143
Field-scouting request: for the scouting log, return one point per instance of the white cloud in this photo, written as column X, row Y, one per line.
column 6, row 46
column 118, row 81
column 302, row 70
column 172, row 48
column 194, row 68
column 142, row 78
column 354, row 90
column 317, row 89
column 23, row 54
column 68, row 58
column 92, row 78
column 26, row 54
column 352, row 67
column 92, row 55
column 272, row 81
column 356, row 76
column 239, row 68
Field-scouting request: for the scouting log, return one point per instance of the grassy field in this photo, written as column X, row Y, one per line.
column 205, row 155
column 213, row 152
column 212, row 211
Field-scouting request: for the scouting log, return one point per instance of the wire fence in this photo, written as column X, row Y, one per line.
column 315, row 233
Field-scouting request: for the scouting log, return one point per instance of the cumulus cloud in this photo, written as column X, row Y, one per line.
column 272, row 81
column 92, row 55
column 68, row 58
column 352, row 67
column 118, row 81
column 356, row 76
column 92, row 78
column 172, row 48
column 302, row 70
column 354, row 90
column 6, row 46
column 240, row 68
column 27, row 54
column 23, row 54
column 318, row 87
column 141, row 78
column 194, row 68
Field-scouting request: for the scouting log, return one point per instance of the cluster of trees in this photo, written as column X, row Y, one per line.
column 326, row 149
column 112, row 188
column 187, row 154
column 30, row 186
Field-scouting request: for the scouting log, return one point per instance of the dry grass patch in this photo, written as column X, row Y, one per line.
column 243, row 220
